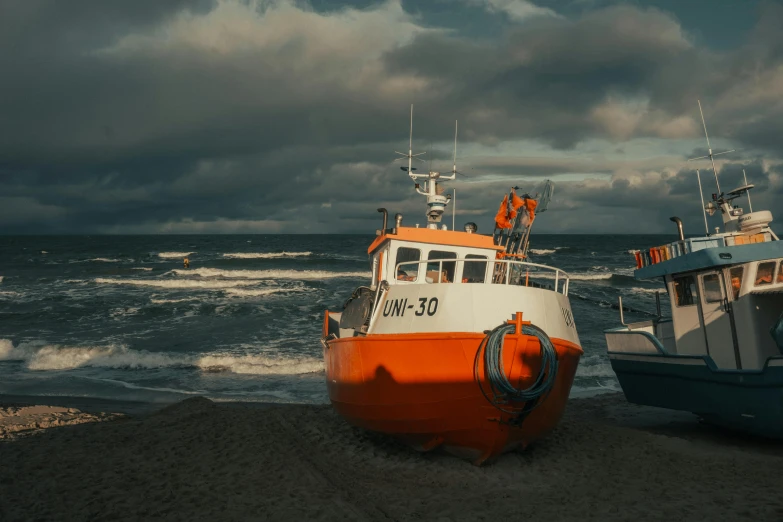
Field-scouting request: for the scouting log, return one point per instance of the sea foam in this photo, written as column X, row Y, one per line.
column 265, row 255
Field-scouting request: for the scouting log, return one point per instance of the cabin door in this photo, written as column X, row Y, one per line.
column 716, row 314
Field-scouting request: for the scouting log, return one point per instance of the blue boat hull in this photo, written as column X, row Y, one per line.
column 750, row 401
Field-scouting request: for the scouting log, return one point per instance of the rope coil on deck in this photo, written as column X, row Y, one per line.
column 502, row 389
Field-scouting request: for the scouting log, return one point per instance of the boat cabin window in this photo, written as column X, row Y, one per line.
column 440, row 272
column 780, row 273
column 736, row 280
column 684, row 290
column 764, row 273
column 410, row 271
column 712, row 290
column 474, row 271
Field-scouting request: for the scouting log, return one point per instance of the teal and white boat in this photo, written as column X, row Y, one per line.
column 720, row 355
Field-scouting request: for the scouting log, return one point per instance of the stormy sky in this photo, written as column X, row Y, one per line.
column 282, row 116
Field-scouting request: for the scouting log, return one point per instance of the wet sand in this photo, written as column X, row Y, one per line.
column 198, row 460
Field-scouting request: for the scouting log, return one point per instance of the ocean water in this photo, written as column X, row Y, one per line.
column 119, row 317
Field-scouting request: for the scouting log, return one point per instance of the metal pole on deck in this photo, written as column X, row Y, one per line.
column 709, row 148
column 703, row 210
column 453, row 209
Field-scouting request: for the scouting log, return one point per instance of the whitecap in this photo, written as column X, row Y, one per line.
column 590, row 276
column 253, row 292
column 268, row 274
column 154, row 300
column 205, row 284
column 174, row 255
column 265, row 255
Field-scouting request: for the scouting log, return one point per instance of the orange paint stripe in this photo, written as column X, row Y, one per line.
column 438, row 237
column 413, row 337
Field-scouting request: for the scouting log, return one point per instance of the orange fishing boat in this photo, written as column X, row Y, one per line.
column 459, row 341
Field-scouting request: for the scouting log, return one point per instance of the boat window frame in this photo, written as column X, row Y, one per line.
column 417, row 265
column 451, row 274
column 756, row 281
column 735, row 292
column 475, row 259
column 707, row 295
column 779, row 279
column 693, row 287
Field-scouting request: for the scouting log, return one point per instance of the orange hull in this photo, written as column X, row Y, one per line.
column 421, row 388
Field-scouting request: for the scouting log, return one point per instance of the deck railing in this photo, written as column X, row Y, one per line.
column 504, row 271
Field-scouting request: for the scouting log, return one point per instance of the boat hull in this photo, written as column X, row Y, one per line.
column 749, row 400
column 424, row 389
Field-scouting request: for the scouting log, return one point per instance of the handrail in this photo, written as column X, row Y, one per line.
column 559, row 275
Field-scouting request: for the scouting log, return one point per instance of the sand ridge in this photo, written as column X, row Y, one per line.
column 198, row 460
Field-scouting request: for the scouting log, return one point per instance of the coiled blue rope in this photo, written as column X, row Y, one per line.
column 493, row 361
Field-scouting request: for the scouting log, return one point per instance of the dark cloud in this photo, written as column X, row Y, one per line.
column 279, row 116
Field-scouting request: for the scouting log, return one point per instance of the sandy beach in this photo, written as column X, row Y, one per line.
column 199, row 460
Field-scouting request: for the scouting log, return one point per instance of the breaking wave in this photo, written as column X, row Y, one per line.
column 206, row 284
column 265, row 255
column 650, row 291
column 252, row 292
column 145, row 268
column 590, row 276
column 542, row 251
column 41, row 357
column 174, row 255
column 96, row 260
column 268, row 274
column 154, row 300
column 260, row 364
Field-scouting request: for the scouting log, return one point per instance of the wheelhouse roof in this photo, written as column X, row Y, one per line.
column 436, row 237
column 712, row 257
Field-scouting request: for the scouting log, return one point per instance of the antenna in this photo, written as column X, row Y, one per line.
column 410, row 144
column 703, row 210
column 410, row 155
column 436, row 201
column 709, row 150
column 454, row 168
column 748, row 192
